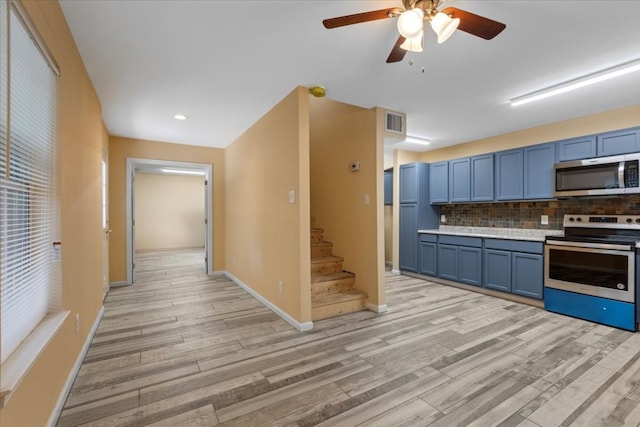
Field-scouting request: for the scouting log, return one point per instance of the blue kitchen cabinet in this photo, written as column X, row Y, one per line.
column 497, row 270
column 388, row 187
column 527, row 271
column 409, row 175
column 509, row 175
column 538, row 171
column 428, row 254
column 448, row 261
column 460, row 180
column 583, row 147
column 482, row 178
column 439, row 182
column 619, row 142
column 408, row 237
column 460, row 259
column 470, row 265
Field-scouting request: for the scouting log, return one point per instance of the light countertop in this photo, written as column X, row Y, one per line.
column 495, row 233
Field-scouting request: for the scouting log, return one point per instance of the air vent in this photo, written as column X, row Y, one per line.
column 394, row 122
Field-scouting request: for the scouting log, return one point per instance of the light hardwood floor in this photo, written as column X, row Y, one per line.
column 179, row 348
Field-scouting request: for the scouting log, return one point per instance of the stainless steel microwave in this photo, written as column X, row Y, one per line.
column 597, row 177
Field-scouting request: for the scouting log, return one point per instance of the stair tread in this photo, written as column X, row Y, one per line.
column 331, row 276
column 332, row 258
column 336, row 298
column 317, row 230
column 321, row 243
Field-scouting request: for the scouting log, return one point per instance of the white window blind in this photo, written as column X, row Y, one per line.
column 29, row 209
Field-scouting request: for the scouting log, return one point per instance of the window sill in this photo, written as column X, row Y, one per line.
column 16, row 367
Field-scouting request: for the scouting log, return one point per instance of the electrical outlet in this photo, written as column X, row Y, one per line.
column 544, row 219
column 77, row 322
column 281, row 287
column 443, row 219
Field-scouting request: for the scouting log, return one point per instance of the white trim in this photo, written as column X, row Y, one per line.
column 18, row 365
column 118, row 284
column 396, row 272
column 53, row 418
column 376, row 308
column 302, row 327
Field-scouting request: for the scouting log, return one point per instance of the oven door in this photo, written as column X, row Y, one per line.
column 601, row 270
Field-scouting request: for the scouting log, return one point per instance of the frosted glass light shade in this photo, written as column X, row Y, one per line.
column 414, row 44
column 443, row 25
column 410, row 23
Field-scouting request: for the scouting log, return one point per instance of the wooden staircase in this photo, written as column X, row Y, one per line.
column 332, row 289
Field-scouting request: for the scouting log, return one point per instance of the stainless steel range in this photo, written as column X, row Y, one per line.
column 591, row 271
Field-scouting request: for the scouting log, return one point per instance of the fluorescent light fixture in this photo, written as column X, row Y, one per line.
column 600, row 76
column 180, row 117
column 417, row 140
column 182, row 172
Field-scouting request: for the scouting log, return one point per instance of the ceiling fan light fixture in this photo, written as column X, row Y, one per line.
column 414, row 44
column 444, row 26
column 410, row 23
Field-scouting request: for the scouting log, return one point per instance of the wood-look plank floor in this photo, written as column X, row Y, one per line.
column 179, row 348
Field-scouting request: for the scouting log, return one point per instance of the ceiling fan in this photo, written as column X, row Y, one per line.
column 412, row 18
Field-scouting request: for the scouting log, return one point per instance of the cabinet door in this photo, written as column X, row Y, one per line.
column 538, row 171
column 460, row 180
column 439, row 183
column 388, row 187
column 409, row 183
column 427, row 263
column 409, row 237
column 448, row 262
column 527, row 274
column 482, row 183
column 497, row 270
column 509, row 175
column 576, row 148
column 619, row 142
column 470, row 265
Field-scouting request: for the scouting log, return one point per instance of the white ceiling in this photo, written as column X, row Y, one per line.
column 224, row 64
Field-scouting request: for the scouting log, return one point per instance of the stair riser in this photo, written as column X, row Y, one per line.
column 332, row 286
column 326, row 267
column 321, row 251
column 337, row 309
column 316, row 236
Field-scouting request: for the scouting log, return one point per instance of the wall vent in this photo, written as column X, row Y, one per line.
column 394, row 122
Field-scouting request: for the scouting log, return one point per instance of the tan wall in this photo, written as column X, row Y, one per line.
column 169, row 211
column 121, row 148
column 400, row 157
column 82, row 138
column 587, row 125
column 268, row 238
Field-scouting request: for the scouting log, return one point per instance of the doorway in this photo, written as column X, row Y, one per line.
column 136, row 165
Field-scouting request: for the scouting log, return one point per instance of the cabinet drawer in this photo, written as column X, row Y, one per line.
column 514, row 245
column 425, row 237
column 460, row 240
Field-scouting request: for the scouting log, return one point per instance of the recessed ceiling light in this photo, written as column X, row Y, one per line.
column 180, row 117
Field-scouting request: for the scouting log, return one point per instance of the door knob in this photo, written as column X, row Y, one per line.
column 108, row 231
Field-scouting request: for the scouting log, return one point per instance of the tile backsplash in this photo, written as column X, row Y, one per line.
column 527, row 214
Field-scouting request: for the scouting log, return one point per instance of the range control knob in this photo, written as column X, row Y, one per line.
column 571, row 219
column 629, row 220
column 579, row 219
column 638, row 220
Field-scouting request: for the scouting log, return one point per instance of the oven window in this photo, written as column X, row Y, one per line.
column 590, row 268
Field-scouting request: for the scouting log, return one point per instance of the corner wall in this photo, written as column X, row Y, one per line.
column 121, row 148
column 82, row 138
column 268, row 238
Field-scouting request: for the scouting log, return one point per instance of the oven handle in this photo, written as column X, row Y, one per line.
column 587, row 246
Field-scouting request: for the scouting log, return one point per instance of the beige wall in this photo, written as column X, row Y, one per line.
column 268, row 238
column 587, row 125
column 340, row 134
column 82, row 138
column 122, row 148
column 169, row 211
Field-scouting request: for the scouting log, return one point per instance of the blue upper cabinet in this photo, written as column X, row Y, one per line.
column 538, row 171
column 576, row 148
column 509, row 175
column 439, row 182
column 619, row 142
column 460, row 180
column 388, row 187
column 482, row 182
column 409, row 183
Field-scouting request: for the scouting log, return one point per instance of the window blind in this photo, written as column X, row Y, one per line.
column 29, row 221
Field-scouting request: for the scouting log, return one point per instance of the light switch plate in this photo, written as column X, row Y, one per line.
column 292, row 196
column 544, row 219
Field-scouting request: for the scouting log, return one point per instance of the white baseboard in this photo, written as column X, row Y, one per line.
column 306, row 326
column 118, row 284
column 396, row 272
column 53, row 418
column 376, row 308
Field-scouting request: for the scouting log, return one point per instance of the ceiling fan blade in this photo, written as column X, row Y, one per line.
column 475, row 24
column 361, row 17
column 397, row 53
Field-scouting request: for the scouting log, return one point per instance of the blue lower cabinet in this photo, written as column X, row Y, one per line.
column 497, row 270
column 409, row 237
column 428, row 255
column 448, row 262
column 470, row 265
column 527, row 274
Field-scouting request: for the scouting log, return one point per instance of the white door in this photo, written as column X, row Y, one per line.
column 105, row 225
